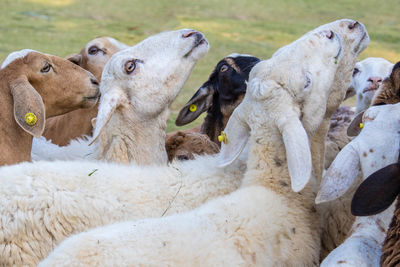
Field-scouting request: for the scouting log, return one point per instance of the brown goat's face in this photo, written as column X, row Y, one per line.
column 389, row 91
column 62, row 85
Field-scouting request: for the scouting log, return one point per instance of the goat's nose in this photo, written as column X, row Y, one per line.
column 353, row 24
column 188, row 33
column 375, row 79
column 94, row 81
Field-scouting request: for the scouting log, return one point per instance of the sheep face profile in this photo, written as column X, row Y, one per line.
column 219, row 95
column 264, row 223
column 368, row 75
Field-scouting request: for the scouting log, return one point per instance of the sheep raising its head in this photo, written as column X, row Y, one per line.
column 163, row 61
column 281, row 80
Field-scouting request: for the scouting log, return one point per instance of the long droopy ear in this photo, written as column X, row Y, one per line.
column 298, row 153
column 237, row 135
column 200, row 102
column 341, row 174
column 377, row 192
column 29, row 109
column 354, row 128
column 109, row 102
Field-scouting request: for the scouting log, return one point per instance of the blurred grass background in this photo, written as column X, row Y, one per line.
column 256, row 27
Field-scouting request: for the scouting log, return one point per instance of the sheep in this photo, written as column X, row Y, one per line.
column 266, row 222
column 61, row 129
column 138, row 85
column 376, row 194
column 368, row 74
column 362, row 247
column 356, row 39
column 31, row 83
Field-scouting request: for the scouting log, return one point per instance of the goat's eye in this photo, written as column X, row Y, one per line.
column 130, row 66
column 93, row 50
column 355, row 71
column 223, row 68
column 46, row 68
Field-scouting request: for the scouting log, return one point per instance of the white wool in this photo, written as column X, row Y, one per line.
column 363, row 246
column 15, row 55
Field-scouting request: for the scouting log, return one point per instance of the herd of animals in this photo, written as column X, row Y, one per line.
column 90, row 177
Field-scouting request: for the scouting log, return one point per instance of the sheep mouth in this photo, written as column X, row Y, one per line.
column 369, row 89
column 91, row 98
column 199, row 41
column 357, row 48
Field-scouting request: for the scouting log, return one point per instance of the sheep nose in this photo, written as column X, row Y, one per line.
column 353, row 24
column 375, row 80
column 94, row 81
column 188, row 33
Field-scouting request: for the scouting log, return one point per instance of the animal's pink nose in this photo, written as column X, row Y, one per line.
column 188, row 33
column 375, row 80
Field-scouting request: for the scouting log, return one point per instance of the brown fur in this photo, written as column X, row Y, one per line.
column 62, row 89
column 183, row 146
column 389, row 93
column 390, row 250
column 61, row 129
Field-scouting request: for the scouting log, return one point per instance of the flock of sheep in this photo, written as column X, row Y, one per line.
column 267, row 179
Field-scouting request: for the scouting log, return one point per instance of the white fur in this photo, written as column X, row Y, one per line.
column 363, row 246
column 264, row 223
column 368, row 68
column 128, row 100
column 15, row 55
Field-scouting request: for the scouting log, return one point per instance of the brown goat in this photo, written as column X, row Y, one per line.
column 33, row 87
column 61, row 129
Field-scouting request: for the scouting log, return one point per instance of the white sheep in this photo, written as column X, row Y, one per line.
column 93, row 57
column 138, row 85
column 363, row 246
column 265, row 222
column 35, row 86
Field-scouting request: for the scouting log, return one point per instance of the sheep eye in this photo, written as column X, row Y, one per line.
column 130, row 66
column 46, row 68
column 223, row 68
column 93, row 50
column 355, row 71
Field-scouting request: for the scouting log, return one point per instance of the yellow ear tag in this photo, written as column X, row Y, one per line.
column 361, row 125
column 222, row 137
column 30, row 119
column 192, row 108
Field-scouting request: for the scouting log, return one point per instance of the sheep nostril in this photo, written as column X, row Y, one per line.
column 94, row 81
column 353, row 25
column 330, row 34
column 188, row 34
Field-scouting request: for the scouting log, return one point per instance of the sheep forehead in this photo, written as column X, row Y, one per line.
column 375, row 67
column 15, row 55
column 117, row 43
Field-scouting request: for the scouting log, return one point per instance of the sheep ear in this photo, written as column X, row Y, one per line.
column 340, row 176
column 109, row 102
column 377, row 192
column 298, row 154
column 75, row 58
column 200, row 102
column 354, row 127
column 349, row 93
column 29, row 111
column 237, row 134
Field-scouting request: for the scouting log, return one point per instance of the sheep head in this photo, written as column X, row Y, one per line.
column 275, row 101
column 224, row 89
column 96, row 54
column 363, row 152
column 149, row 75
column 46, row 86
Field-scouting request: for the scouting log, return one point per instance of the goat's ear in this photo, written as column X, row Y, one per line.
column 29, row 111
column 109, row 102
column 200, row 102
column 377, row 192
column 75, row 58
column 349, row 93
column 237, row 135
column 354, row 128
column 298, row 153
column 341, row 175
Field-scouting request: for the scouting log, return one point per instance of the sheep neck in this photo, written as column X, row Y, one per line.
column 131, row 139
column 267, row 167
column 15, row 143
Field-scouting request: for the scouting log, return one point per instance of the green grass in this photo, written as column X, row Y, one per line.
column 257, row 27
